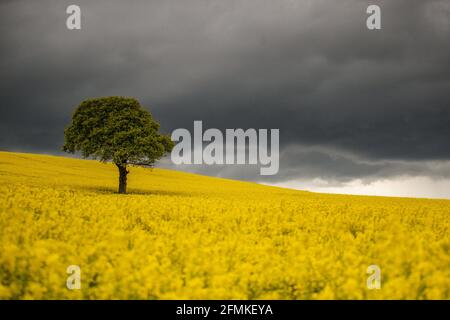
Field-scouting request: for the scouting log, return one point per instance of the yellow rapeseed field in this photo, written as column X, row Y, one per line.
column 185, row 236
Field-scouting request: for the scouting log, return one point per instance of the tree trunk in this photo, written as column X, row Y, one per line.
column 122, row 178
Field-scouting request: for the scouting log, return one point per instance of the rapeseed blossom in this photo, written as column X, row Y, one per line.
column 184, row 236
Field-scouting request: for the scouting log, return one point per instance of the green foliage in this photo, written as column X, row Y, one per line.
column 116, row 129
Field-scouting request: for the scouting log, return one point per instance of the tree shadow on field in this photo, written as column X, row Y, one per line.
column 135, row 191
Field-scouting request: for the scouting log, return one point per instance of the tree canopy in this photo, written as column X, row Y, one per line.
column 116, row 129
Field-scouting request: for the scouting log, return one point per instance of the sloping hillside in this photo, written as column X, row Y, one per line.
column 91, row 175
column 179, row 235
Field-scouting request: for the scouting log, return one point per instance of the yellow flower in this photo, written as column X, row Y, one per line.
column 184, row 236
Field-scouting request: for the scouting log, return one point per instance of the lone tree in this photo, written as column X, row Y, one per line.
column 116, row 129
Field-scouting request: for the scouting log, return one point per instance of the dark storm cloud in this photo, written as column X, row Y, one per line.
column 349, row 102
column 305, row 163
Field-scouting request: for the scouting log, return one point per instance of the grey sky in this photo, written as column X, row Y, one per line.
column 350, row 103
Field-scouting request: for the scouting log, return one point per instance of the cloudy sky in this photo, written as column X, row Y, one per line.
column 359, row 111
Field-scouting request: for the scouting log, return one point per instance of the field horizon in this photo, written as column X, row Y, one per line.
column 133, row 188
column 180, row 235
